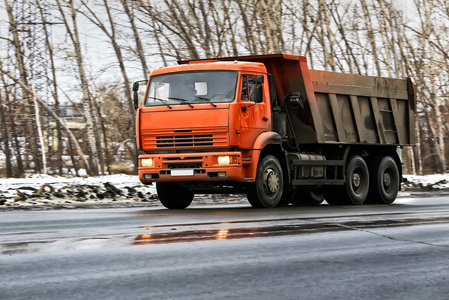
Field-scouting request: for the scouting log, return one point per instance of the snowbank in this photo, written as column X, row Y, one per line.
column 44, row 190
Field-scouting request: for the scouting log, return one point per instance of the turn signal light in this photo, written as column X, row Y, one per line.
column 227, row 160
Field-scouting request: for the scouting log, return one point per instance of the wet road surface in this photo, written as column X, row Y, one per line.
column 398, row 251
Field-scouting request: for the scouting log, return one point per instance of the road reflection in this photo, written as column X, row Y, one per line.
column 32, row 242
column 194, row 235
column 177, row 235
column 222, row 234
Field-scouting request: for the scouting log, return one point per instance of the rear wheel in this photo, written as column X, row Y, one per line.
column 174, row 196
column 355, row 190
column 357, row 181
column 385, row 181
column 266, row 190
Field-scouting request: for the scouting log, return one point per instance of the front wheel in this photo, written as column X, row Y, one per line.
column 266, row 190
column 174, row 196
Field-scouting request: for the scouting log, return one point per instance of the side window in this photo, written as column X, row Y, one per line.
column 245, row 94
column 251, row 90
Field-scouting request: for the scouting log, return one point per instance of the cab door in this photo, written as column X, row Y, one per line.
column 254, row 109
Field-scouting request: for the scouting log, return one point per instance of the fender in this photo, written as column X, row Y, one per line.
column 266, row 138
column 263, row 140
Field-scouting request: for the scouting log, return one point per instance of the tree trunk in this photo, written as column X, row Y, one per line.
column 371, row 36
column 5, row 137
column 20, row 57
column 59, row 150
column 40, row 133
column 50, row 112
column 136, row 36
column 91, row 126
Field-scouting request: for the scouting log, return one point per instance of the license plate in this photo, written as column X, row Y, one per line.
column 182, row 173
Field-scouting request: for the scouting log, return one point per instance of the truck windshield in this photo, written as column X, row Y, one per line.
column 191, row 87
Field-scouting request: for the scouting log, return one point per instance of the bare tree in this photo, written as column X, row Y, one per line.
column 54, row 81
column 130, row 12
column 15, row 142
column 22, row 69
column 50, row 111
column 366, row 37
column 5, row 136
column 370, row 35
column 96, row 156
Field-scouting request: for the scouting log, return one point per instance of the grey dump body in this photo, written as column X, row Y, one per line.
column 355, row 109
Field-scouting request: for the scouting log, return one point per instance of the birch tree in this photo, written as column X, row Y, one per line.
column 53, row 80
column 49, row 110
column 130, row 12
column 5, row 136
column 91, row 124
column 369, row 37
column 15, row 142
column 22, row 69
column 110, row 31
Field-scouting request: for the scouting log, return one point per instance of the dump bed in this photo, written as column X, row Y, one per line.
column 330, row 107
column 363, row 109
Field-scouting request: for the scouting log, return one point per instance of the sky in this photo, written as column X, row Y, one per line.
column 100, row 61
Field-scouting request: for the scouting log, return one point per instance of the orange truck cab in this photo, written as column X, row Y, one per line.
column 269, row 127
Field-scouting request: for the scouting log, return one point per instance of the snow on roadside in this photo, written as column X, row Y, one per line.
column 44, row 190
column 426, row 182
column 39, row 179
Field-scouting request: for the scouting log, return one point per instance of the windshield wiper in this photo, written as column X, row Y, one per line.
column 183, row 100
column 208, row 100
column 162, row 100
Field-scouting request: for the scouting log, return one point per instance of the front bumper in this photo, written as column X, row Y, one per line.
column 191, row 167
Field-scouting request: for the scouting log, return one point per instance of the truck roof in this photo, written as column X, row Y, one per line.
column 259, row 58
column 213, row 65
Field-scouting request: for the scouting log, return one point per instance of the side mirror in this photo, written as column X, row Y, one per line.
column 135, row 95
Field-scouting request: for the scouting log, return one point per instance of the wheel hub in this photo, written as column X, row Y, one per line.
column 271, row 180
column 356, row 180
column 387, row 179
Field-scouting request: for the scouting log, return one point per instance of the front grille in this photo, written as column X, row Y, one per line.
column 184, row 141
column 184, row 166
column 206, row 138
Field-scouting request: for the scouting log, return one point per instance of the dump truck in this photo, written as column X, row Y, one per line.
column 269, row 127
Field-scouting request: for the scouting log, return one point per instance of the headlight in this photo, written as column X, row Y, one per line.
column 227, row 160
column 146, row 162
column 223, row 160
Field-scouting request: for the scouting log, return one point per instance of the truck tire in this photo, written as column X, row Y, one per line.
column 174, row 196
column 355, row 190
column 385, row 181
column 356, row 187
column 266, row 191
column 287, row 198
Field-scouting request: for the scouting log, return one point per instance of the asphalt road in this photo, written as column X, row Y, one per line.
column 398, row 251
